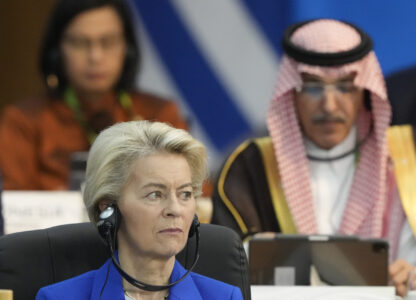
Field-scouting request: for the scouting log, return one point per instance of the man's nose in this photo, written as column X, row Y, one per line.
column 329, row 101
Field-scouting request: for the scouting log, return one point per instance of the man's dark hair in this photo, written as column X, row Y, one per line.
column 63, row 13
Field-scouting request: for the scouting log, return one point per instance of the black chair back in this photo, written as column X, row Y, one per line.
column 33, row 259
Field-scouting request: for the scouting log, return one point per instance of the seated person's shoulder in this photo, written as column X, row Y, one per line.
column 401, row 132
column 155, row 108
column 402, row 77
column 401, row 91
column 215, row 289
column 401, row 141
column 29, row 107
column 251, row 148
column 78, row 287
column 149, row 99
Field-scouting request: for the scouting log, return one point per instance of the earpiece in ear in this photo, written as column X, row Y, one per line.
column 194, row 226
column 109, row 221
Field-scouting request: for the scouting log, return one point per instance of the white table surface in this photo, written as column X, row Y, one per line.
column 260, row 292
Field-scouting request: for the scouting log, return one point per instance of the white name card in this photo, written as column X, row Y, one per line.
column 261, row 292
column 31, row 210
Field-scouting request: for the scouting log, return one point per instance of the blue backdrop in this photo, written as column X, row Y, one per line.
column 219, row 58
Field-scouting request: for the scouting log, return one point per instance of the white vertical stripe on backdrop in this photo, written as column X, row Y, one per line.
column 154, row 78
column 237, row 51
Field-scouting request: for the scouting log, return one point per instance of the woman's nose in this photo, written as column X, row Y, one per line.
column 173, row 206
column 96, row 52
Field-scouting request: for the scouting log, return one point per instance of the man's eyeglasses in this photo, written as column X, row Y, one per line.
column 317, row 89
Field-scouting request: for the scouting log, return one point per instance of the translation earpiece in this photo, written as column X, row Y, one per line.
column 109, row 222
column 194, row 226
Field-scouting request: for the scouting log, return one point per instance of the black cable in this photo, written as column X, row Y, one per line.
column 108, row 226
column 345, row 154
column 106, row 279
column 326, row 159
column 145, row 286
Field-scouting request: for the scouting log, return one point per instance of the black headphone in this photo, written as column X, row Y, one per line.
column 108, row 226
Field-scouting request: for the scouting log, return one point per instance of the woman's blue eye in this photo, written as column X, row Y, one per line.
column 155, row 195
column 186, row 195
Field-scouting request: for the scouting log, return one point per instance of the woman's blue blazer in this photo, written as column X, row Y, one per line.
column 90, row 285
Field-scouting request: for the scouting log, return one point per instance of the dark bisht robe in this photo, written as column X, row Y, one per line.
column 241, row 197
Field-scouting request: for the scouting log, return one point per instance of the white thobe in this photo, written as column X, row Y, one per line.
column 331, row 182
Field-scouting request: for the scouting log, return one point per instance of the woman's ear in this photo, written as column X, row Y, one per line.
column 103, row 204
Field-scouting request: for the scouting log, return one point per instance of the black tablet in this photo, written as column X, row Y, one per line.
column 337, row 260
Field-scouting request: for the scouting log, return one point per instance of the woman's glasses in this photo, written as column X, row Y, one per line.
column 82, row 45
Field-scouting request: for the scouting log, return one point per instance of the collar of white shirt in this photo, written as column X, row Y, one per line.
column 331, row 182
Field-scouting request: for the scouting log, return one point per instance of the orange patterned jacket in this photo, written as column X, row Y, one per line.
column 38, row 135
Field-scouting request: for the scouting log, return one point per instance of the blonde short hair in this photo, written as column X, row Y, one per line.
column 116, row 149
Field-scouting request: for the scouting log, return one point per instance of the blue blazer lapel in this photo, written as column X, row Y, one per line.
column 113, row 289
column 184, row 290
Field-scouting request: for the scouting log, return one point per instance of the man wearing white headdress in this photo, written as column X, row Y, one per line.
column 326, row 167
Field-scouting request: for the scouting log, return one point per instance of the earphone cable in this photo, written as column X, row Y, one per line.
column 145, row 286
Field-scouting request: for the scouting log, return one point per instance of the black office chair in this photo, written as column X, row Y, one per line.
column 33, row 259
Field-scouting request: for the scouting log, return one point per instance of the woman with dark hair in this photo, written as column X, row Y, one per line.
column 88, row 60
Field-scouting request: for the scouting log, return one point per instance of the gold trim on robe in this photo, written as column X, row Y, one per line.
column 402, row 150
column 280, row 206
column 221, row 192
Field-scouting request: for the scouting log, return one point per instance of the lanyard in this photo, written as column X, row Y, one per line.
column 71, row 100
